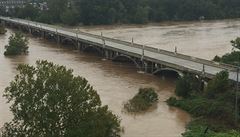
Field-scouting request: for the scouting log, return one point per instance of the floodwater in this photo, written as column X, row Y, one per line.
column 115, row 82
column 204, row 39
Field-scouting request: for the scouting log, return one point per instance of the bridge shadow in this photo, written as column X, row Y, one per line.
column 93, row 51
column 168, row 74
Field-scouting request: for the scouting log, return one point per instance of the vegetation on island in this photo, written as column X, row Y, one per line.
column 17, row 45
column 2, row 29
column 142, row 101
column 232, row 58
column 49, row 101
column 95, row 12
column 213, row 108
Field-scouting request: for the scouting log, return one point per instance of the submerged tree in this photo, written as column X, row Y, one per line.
column 18, row 44
column 48, row 101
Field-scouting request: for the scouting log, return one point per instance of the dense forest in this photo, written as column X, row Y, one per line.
column 94, row 12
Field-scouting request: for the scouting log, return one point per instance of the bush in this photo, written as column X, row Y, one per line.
column 186, row 84
column 17, row 45
column 69, row 17
column 219, row 84
column 145, row 98
column 200, row 128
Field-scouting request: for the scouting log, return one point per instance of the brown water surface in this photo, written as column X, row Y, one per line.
column 115, row 82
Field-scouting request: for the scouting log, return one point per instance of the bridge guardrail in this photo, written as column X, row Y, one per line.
column 151, row 49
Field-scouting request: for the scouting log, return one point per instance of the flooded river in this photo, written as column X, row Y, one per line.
column 116, row 83
column 204, row 39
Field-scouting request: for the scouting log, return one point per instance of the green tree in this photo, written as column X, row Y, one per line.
column 236, row 43
column 219, row 84
column 183, row 86
column 56, row 9
column 49, row 101
column 18, row 44
column 28, row 12
column 69, row 17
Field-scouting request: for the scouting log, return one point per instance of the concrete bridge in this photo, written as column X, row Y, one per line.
column 148, row 59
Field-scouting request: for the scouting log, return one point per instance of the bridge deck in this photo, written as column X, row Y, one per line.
column 177, row 61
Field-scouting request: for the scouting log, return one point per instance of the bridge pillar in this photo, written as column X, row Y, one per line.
column 106, row 54
column 78, row 46
column 29, row 30
column 152, row 67
column 42, row 34
column 145, row 66
column 58, row 39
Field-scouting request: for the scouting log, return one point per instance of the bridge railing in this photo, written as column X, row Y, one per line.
column 131, row 44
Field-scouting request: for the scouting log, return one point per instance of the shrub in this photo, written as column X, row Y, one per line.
column 186, row 84
column 17, row 45
column 219, row 84
column 145, row 98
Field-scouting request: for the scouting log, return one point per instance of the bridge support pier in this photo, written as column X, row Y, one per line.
column 78, row 46
column 58, row 39
column 42, row 34
column 29, row 30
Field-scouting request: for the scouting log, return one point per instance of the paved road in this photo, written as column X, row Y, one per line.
column 174, row 60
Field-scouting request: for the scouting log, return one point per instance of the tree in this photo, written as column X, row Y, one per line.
column 28, row 12
column 183, row 86
column 69, row 17
column 56, row 9
column 49, row 101
column 232, row 58
column 18, row 44
column 236, row 43
column 219, row 84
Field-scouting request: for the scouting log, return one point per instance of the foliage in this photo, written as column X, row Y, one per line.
column 17, row 45
column 214, row 110
column 186, row 84
column 27, row 12
column 48, row 100
column 201, row 106
column 236, row 43
column 219, row 84
column 200, row 129
column 56, row 9
column 132, row 11
column 145, row 98
column 2, row 30
column 183, row 87
column 232, row 58
column 69, row 17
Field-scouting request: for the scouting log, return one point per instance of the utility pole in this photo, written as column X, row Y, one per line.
column 236, row 101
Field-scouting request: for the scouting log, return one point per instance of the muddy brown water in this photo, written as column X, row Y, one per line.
column 116, row 82
column 204, row 39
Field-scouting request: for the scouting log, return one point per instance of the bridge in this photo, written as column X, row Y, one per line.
column 148, row 59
